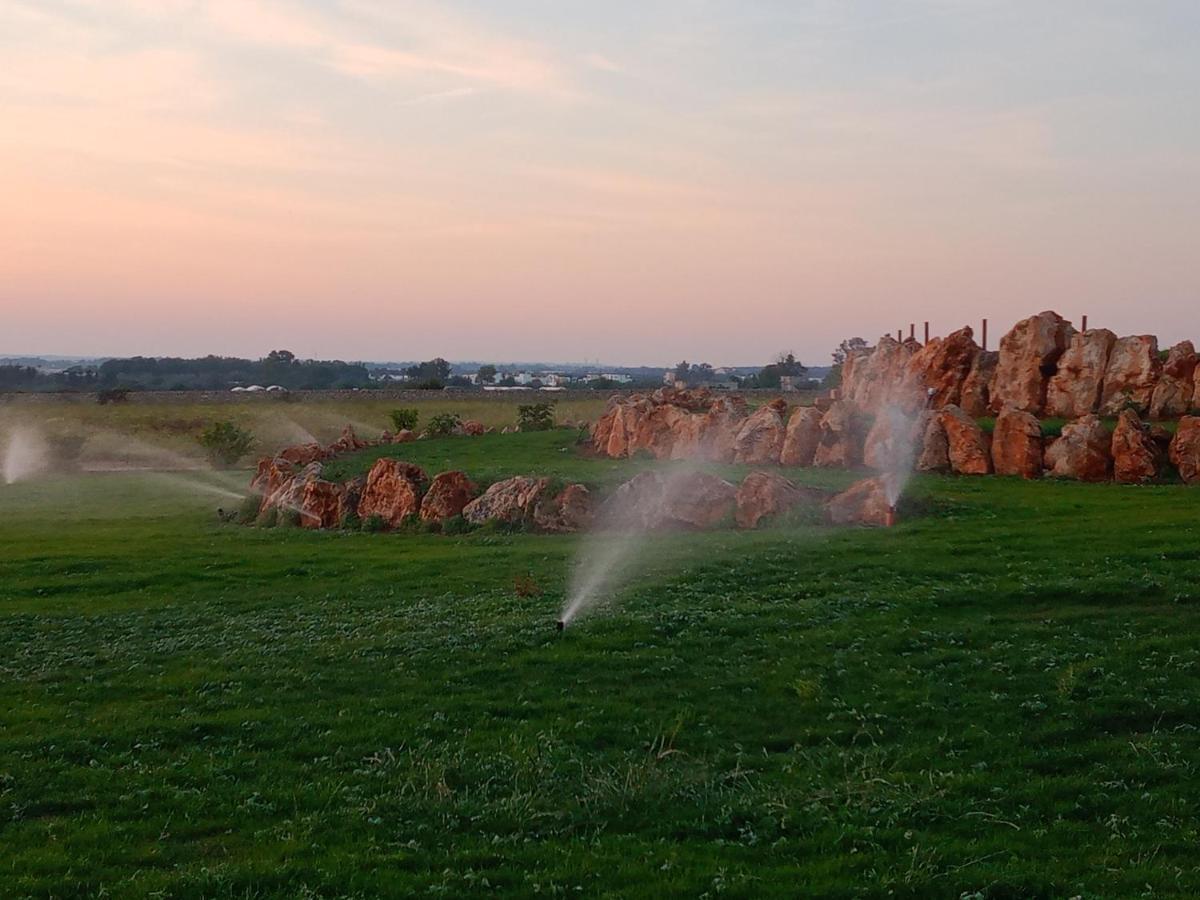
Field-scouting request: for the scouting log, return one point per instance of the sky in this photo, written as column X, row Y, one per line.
column 634, row 181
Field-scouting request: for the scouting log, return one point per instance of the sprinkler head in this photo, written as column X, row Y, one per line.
column 560, row 625
column 891, row 516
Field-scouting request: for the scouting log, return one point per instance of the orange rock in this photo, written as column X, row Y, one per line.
column 1185, row 449
column 841, row 438
column 567, row 511
column 936, row 373
column 718, row 428
column 1075, row 388
column 448, row 493
column 347, row 443
column 471, row 428
column 968, row 447
column 1028, row 357
column 760, row 439
column 1084, row 452
column 679, row 499
column 1131, row 375
column 864, row 503
column 303, row 454
column 1135, row 455
column 765, row 495
column 801, row 437
column 1176, row 389
column 1017, row 444
column 393, row 491
column 976, row 390
column 404, row 436
column 510, row 501
column 320, row 504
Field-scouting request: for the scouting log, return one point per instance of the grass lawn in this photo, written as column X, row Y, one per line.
column 1000, row 699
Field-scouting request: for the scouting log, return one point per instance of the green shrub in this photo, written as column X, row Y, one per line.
column 351, row 522
column 226, row 443
column 373, row 524
column 535, row 416
column 405, row 419
column 248, row 509
column 456, row 525
column 443, row 424
column 288, row 518
column 268, row 518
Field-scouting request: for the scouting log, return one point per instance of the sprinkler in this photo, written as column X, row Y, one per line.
column 560, row 625
column 890, row 519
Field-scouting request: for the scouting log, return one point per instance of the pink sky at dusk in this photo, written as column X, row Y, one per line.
column 630, row 182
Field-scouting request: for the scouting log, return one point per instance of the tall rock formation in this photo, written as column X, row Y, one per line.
column 1075, row 388
column 1029, row 356
column 1131, row 375
column 1176, row 389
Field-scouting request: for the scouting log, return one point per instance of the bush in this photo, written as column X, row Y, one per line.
column 268, row 519
column 443, row 424
column 289, row 518
column 226, row 443
column 112, row 395
column 456, row 525
column 404, row 419
column 351, row 522
column 248, row 509
column 535, row 416
column 373, row 524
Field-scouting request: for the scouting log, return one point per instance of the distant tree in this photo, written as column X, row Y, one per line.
column 784, row 364
column 693, row 373
column 286, row 357
column 682, row 370
column 487, row 374
column 841, row 353
column 436, row 369
column 508, row 381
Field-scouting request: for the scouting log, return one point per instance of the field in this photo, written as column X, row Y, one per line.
column 997, row 698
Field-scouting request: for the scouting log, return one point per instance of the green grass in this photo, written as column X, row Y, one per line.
column 997, row 700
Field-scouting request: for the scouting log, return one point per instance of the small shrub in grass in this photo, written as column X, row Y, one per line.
column 373, row 524
column 535, row 416
column 288, row 518
column 404, row 419
column 443, row 423
column 456, row 525
column 248, row 509
column 268, row 518
column 225, row 443
column 351, row 522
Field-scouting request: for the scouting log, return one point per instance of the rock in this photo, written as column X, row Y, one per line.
column 968, row 447
column 471, row 428
column 347, row 443
column 509, row 501
column 404, row 436
column 1017, row 444
column 568, row 511
column 1185, row 449
column 1075, row 388
column 288, row 493
column 1134, row 453
column 877, row 378
column 718, row 428
column 841, row 444
column 1084, row 452
column 320, row 504
column 760, row 439
column 801, row 437
column 1131, row 375
column 674, row 499
column 448, row 494
column 393, row 491
column 934, row 448
column 1029, row 355
column 976, row 390
column 864, row 503
column 508, row 429
column 765, row 495
column 935, row 374
column 352, row 492
column 271, row 474
column 303, row 454
column 1176, row 389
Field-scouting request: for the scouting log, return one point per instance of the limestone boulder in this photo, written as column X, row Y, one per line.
column 510, row 501
column 1029, row 356
column 303, row 454
column 471, row 428
column 448, row 495
column 1185, row 449
column 877, row 378
column 1084, row 452
column 891, row 443
column 393, row 491
column 1017, row 446
column 763, row 496
column 863, row 503
column 760, row 439
column 669, row 500
column 841, row 442
column 288, row 493
column 1075, row 389
column 564, row 512
column 351, row 495
column 1176, row 389
column 801, row 437
column 976, row 388
column 271, row 473
column 320, row 504
column 1135, row 454
column 1131, row 375
column 347, row 443
column 718, row 428
column 933, row 450
column 404, row 436
column 935, row 374
column 968, row 446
